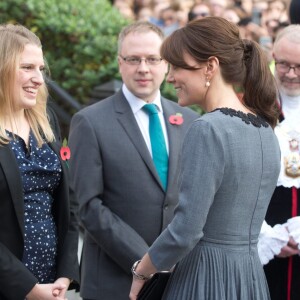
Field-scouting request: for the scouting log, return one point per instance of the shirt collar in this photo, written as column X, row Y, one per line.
column 137, row 103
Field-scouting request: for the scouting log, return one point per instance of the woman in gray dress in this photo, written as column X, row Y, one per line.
column 230, row 165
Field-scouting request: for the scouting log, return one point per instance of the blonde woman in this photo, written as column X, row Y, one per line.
column 38, row 237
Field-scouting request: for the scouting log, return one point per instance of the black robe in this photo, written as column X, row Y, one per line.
column 283, row 274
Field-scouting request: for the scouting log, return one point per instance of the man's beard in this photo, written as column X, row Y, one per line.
column 291, row 92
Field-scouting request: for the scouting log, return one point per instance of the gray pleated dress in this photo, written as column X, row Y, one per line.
column 230, row 165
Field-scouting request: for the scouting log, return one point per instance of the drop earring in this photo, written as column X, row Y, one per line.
column 207, row 83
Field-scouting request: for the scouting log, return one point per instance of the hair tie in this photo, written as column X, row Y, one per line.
column 247, row 46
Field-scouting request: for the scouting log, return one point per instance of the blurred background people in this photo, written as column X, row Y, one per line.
column 125, row 7
column 169, row 18
column 277, row 10
column 199, row 11
column 217, row 7
column 231, row 14
column 139, row 4
column 293, row 12
column 144, row 14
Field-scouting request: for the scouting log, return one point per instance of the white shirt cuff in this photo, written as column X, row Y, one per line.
column 271, row 240
column 293, row 226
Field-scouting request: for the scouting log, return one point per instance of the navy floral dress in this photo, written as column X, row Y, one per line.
column 41, row 173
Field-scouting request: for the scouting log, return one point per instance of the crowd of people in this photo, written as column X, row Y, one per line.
column 257, row 18
column 154, row 186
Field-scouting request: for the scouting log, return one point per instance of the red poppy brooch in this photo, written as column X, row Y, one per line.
column 65, row 152
column 176, row 119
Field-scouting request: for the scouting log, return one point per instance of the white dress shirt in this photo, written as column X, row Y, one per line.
column 142, row 117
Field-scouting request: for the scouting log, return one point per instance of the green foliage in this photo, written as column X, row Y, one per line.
column 79, row 39
column 168, row 91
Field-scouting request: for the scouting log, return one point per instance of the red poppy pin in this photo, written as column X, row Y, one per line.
column 176, row 119
column 65, row 152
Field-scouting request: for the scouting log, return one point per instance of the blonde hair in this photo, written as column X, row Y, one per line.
column 13, row 39
column 140, row 27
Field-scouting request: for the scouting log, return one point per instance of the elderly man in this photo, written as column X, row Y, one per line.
column 282, row 240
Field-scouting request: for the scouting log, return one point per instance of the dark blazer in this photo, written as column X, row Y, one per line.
column 122, row 204
column 15, row 279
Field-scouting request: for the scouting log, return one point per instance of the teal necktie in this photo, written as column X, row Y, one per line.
column 158, row 144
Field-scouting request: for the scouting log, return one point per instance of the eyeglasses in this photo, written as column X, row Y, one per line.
column 135, row 60
column 284, row 67
column 193, row 15
column 201, row 14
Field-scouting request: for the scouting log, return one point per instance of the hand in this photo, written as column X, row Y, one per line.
column 146, row 268
column 60, row 292
column 136, row 286
column 292, row 243
column 45, row 292
column 289, row 250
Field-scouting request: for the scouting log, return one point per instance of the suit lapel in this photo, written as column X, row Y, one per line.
column 14, row 182
column 60, row 207
column 55, row 146
column 128, row 122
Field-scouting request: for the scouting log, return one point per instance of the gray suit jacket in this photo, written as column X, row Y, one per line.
column 122, row 204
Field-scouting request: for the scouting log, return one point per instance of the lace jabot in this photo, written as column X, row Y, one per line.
column 249, row 118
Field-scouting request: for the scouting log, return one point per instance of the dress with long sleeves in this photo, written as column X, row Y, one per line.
column 230, row 166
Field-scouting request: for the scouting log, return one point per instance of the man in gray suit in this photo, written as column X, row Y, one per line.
column 123, row 204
